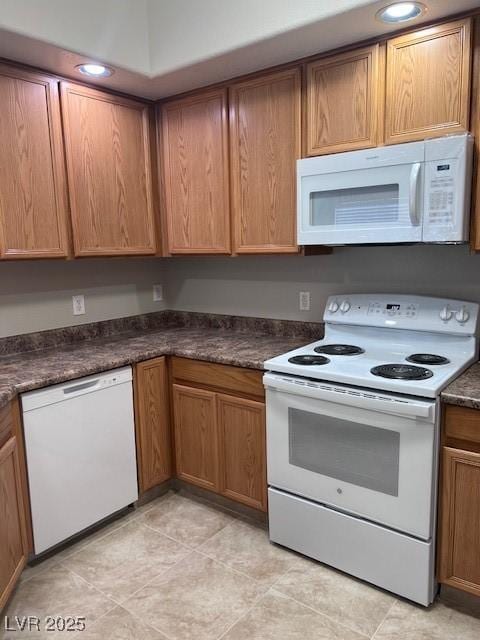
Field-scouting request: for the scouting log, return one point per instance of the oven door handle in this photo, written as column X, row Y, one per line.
column 363, row 399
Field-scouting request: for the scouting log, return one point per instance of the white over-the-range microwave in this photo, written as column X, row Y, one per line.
column 405, row 193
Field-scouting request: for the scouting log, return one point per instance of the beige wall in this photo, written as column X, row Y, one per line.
column 269, row 286
column 38, row 295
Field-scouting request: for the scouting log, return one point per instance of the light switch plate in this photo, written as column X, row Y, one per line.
column 304, row 300
column 78, row 303
column 157, row 292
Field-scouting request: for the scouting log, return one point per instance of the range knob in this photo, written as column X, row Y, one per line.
column 462, row 315
column 333, row 306
column 446, row 314
column 345, row 306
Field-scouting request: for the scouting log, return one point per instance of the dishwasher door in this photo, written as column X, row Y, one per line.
column 80, row 448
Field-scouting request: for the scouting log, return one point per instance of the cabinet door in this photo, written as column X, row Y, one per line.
column 152, row 423
column 33, row 210
column 13, row 539
column 265, row 144
column 196, row 177
column 460, row 520
column 107, row 144
column 196, row 436
column 428, row 82
column 242, row 455
column 343, row 101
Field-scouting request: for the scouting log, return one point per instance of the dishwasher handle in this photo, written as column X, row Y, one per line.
column 81, row 387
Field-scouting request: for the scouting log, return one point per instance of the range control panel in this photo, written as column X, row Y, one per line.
column 420, row 313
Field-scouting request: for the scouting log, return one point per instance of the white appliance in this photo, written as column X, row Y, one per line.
column 353, row 435
column 80, row 448
column 405, row 193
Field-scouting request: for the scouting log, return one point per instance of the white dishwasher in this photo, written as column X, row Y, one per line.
column 80, row 447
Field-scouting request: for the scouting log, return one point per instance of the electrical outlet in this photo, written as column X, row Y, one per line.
column 78, row 303
column 157, row 292
column 304, row 300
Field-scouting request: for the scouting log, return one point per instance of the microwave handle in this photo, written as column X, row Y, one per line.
column 413, row 191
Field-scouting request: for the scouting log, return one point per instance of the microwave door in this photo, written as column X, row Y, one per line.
column 371, row 205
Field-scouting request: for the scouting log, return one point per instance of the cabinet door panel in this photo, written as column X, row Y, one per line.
column 343, row 101
column 33, row 211
column 265, row 144
column 152, row 423
column 13, row 540
column 196, row 436
column 196, row 182
column 460, row 523
column 428, row 83
column 107, row 142
column 241, row 425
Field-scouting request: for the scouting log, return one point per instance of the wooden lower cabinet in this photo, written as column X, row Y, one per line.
column 459, row 535
column 219, row 414
column 460, row 520
column 13, row 535
column 196, row 436
column 152, row 423
column 242, row 454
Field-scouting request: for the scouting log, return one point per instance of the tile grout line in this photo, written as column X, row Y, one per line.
column 323, row 615
column 383, row 620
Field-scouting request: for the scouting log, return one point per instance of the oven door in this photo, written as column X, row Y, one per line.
column 367, row 454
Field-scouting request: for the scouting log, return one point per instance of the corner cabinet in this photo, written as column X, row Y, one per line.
column 219, row 416
column 428, row 82
column 107, row 145
column 152, row 423
column 343, row 101
column 193, row 145
column 33, row 198
column 265, row 142
column 459, row 555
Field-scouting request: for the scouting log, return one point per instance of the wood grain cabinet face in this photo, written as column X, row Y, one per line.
column 460, row 520
column 342, row 103
column 152, row 423
column 242, row 451
column 107, row 142
column 13, row 539
column 194, row 135
column 265, row 142
column 428, row 84
column 33, row 209
column 196, row 436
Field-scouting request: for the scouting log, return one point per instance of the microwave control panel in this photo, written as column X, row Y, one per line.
column 440, row 185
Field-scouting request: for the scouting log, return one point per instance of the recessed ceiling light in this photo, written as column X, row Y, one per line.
column 95, row 70
column 400, row 12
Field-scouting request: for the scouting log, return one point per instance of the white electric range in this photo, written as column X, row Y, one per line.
column 353, row 432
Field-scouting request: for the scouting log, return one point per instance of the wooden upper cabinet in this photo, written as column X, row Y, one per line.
column 428, row 83
column 152, row 423
column 13, row 536
column 33, row 204
column 107, row 142
column 194, row 139
column 265, row 142
column 343, row 101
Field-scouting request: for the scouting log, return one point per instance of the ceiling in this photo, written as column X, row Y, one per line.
column 163, row 47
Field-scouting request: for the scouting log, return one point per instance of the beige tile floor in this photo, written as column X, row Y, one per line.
column 181, row 569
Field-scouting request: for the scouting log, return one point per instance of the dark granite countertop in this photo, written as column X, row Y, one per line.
column 240, row 346
column 465, row 390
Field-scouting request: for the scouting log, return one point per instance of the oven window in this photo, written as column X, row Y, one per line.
column 371, row 206
column 359, row 454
